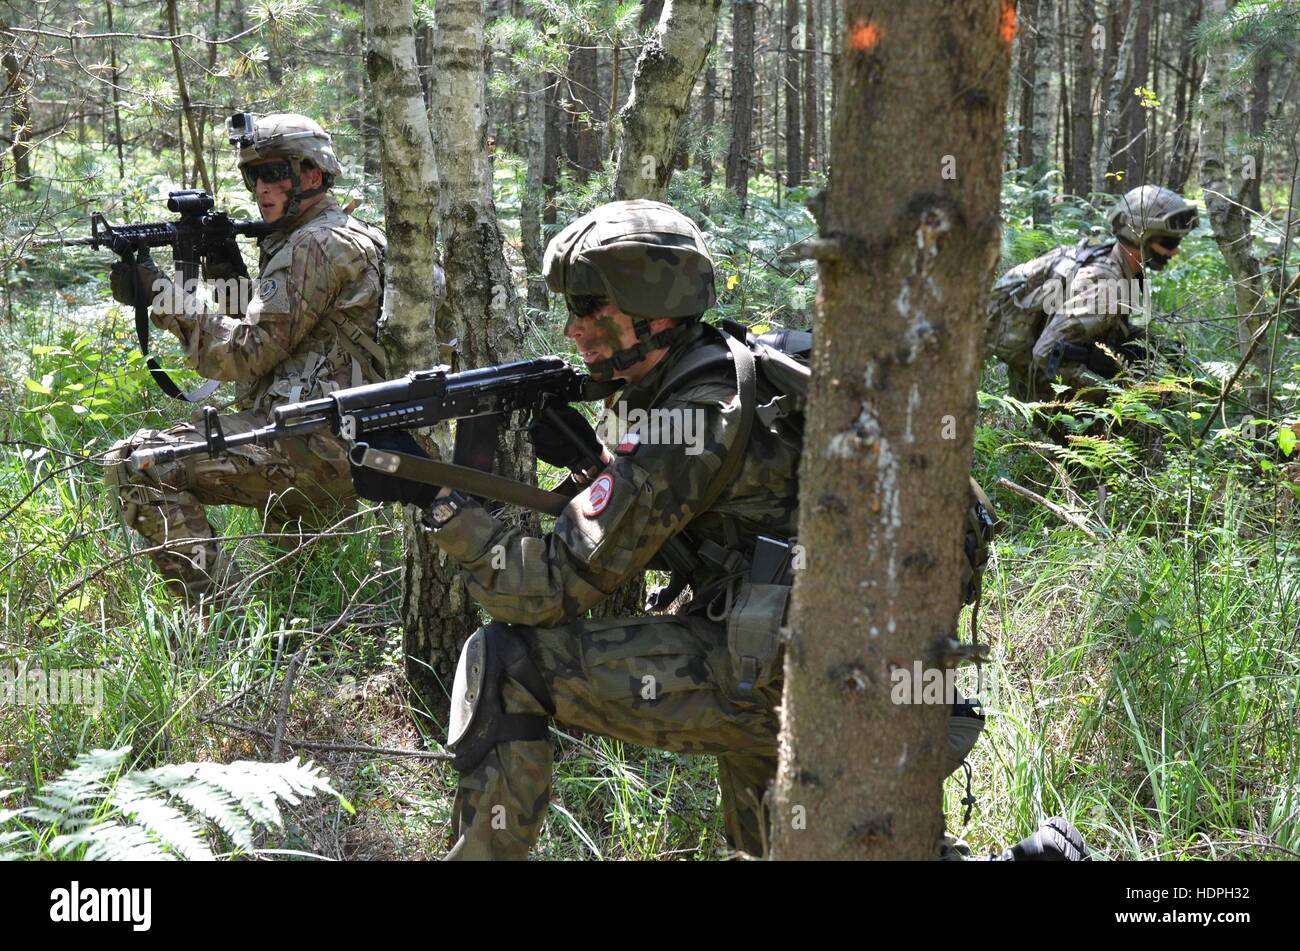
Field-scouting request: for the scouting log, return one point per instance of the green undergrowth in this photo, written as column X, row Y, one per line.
column 1144, row 657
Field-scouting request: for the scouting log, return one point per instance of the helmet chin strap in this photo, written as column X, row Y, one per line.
column 630, row 356
column 298, row 194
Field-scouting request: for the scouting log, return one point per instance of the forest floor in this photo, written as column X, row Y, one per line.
column 1143, row 678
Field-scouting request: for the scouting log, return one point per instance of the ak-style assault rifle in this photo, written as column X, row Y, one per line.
column 200, row 234
column 481, row 400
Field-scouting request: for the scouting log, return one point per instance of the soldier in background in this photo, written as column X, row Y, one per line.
column 1052, row 316
column 308, row 328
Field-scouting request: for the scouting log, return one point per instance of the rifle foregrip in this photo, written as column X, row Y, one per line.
column 150, row 456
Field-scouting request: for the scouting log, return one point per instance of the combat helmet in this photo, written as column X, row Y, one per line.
column 646, row 257
column 1151, row 213
column 289, row 136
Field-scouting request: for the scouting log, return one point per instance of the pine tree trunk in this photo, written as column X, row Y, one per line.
column 1041, row 138
column 1180, row 159
column 742, row 98
column 20, row 121
column 811, row 89
column 583, row 140
column 1027, row 43
column 552, row 146
column 182, row 89
column 1258, row 118
column 1136, row 139
column 1223, row 113
column 793, row 95
column 534, row 197
column 709, row 112
column 860, row 775
column 1085, row 22
column 661, row 90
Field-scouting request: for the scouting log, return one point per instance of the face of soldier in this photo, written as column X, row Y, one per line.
column 273, row 196
column 1158, row 255
column 599, row 336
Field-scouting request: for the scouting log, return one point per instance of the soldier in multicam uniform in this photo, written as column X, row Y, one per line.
column 1046, row 317
column 308, row 328
column 637, row 278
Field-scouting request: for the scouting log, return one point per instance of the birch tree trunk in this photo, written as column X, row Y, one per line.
column 480, row 309
column 437, row 614
column 1022, row 85
column 1112, row 108
column 661, row 90
column 1040, row 139
column 908, row 242
column 1223, row 114
column 742, row 97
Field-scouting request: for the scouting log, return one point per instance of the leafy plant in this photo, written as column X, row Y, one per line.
column 96, row 810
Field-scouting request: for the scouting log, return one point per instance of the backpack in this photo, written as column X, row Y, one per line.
column 782, row 363
column 1026, row 297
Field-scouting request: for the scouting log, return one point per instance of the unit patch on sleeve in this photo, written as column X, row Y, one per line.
column 598, row 496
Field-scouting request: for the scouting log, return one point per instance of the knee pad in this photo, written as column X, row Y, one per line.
column 965, row 724
column 479, row 720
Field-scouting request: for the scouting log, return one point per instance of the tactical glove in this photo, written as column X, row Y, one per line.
column 119, row 279
column 224, row 262
column 1055, row 841
column 557, row 448
column 379, row 486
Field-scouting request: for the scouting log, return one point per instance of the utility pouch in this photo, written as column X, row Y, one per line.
column 754, row 632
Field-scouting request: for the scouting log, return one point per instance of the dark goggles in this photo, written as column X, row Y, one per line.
column 1169, row 241
column 275, row 171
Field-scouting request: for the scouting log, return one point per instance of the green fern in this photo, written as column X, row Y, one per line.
column 97, row 811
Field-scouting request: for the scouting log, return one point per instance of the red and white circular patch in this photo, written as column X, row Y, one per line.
column 598, row 496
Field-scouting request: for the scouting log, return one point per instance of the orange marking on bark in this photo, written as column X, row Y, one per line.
column 1007, row 25
column 863, row 35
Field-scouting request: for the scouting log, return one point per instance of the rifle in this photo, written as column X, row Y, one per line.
column 480, row 399
column 198, row 234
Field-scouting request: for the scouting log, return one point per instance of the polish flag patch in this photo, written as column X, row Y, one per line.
column 598, row 496
column 629, row 444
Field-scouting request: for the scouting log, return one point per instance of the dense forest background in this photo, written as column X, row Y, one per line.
column 1141, row 601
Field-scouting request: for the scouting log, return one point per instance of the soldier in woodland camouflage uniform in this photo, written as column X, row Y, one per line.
column 636, row 276
column 309, row 328
column 1047, row 316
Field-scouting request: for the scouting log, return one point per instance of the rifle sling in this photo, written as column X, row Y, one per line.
column 461, row 478
column 160, row 377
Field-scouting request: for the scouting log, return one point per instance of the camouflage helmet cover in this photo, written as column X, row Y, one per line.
column 1151, row 212
column 645, row 256
column 289, row 135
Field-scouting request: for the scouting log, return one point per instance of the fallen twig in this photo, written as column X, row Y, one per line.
column 1064, row 514
column 331, row 747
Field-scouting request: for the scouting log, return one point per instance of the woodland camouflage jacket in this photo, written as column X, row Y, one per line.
column 610, row 531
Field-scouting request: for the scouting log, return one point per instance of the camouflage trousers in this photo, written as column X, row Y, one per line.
column 661, row 682
column 300, row 484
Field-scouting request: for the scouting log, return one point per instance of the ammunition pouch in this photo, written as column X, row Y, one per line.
column 754, row 632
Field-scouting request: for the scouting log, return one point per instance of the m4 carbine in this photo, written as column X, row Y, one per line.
column 481, row 400
column 199, row 235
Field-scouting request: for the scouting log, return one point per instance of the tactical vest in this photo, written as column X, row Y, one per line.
column 750, row 589
column 1016, row 312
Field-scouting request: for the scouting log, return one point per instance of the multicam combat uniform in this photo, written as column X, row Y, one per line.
column 1080, row 295
column 668, row 682
column 308, row 329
